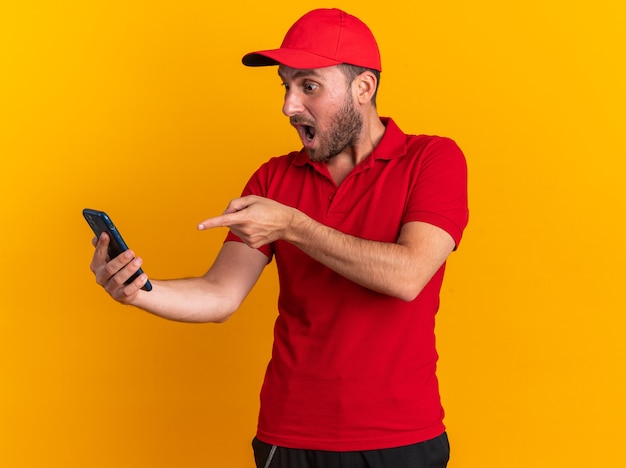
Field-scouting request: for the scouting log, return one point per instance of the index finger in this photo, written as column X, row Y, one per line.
column 225, row 220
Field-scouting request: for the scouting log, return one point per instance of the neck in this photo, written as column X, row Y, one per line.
column 342, row 164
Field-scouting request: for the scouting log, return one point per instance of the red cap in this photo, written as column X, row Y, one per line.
column 322, row 38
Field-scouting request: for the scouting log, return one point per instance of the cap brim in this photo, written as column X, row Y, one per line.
column 290, row 57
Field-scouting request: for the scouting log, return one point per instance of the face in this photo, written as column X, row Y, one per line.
column 320, row 106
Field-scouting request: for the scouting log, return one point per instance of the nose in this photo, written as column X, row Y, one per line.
column 292, row 104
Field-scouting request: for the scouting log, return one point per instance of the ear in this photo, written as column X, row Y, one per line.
column 365, row 87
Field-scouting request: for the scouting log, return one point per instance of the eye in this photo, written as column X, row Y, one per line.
column 285, row 85
column 310, row 87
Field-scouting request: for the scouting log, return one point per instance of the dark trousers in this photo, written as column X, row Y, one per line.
column 433, row 453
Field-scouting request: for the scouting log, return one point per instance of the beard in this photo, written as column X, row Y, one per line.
column 345, row 129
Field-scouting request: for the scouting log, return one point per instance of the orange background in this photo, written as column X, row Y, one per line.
column 143, row 109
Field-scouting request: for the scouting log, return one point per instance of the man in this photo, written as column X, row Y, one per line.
column 360, row 222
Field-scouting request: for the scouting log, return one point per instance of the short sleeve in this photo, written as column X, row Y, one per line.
column 255, row 186
column 438, row 195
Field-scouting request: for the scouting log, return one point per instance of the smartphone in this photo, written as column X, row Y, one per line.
column 100, row 222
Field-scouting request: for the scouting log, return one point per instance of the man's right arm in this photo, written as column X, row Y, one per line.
column 212, row 297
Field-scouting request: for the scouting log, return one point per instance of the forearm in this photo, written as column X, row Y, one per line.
column 399, row 269
column 187, row 300
column 212, row 297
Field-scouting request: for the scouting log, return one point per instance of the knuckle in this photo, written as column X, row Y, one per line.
column 117, row 280
column 111, row 268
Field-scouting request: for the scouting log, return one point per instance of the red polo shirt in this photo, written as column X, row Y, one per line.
column 353, row 369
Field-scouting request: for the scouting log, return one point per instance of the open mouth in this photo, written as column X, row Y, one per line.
column 309, row 132
column 306, row 132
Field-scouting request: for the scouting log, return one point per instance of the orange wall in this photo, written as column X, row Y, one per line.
column 142, row 108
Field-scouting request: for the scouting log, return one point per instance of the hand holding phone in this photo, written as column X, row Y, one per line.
column 100, row 222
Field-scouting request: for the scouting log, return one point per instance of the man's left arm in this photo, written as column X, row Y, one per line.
column 399, row 269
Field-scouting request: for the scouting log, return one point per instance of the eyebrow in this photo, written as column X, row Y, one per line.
column 299, row 73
